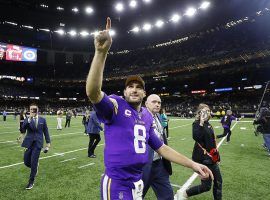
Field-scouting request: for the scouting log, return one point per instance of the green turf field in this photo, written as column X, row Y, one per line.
column 66, row 172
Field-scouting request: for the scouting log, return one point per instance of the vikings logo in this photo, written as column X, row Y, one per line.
column 121, row 196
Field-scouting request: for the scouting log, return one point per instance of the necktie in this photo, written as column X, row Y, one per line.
column 35, row 121
column 158, row 124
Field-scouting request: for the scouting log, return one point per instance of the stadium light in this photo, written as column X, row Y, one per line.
column 136, row 29
column 147, row 1
column 119, row 7
column 75, row 10
column 72, row 33
column 11, row 23
column 60, row 31
column 44, row 6
column 44, row 29
column 89, row 10
column 190, row 12
column 84, row 33
column 28, row 27
column 175, row 18
column 133, row 4
column 159, row 23
column 205, row 5
column 112, row 32
column 147, row 27
column 59, row 8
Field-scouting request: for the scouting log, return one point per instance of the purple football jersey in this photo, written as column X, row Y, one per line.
column 127, row 133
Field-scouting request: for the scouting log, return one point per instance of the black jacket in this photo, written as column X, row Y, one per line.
column 205, row 136
column 264, row 120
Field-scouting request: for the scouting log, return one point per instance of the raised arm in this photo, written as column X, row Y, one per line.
column 103, row 43
column 173, row 156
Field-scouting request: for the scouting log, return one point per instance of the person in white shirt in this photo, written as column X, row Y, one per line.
column 59, row 119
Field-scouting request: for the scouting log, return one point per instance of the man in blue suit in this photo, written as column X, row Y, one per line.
column 93, row 129
column 157, row 171
column 35, row 126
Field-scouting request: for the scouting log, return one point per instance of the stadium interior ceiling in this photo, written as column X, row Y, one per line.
column 31, row 13
column 226, row 45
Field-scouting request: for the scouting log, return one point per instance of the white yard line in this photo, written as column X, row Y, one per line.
column 86, row 165
column 4, row 142
column 180, row 126
column 10, row 132
column 8, row 127
column 46, row 157
column 195, row 175
column 58, row 135
column 211, row 120
column 49, row 130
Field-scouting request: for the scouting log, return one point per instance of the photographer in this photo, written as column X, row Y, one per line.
column 263, row 122
column 205, row 152
column 36, row 127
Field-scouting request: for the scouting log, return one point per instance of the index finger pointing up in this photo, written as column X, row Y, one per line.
column 109, row 23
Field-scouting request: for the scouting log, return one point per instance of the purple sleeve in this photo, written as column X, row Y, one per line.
column 154, row 142
column 104, row 109
column 234, row 118
column 222, row 120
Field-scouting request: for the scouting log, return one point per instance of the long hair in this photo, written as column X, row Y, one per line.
column 200, row 107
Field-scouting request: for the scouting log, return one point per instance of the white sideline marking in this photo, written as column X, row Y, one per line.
column 7, row 127
column 7, row 166
column 4, row 142
column 194, row 175
column 19, row 131
column 180, row 126
column 67, row 160
column 58, row 135
column 211, row 120
column 59, row 154
column 217, row 126
column 243, row 128
column 86, row 165
column 184, row 119
column 10, row 132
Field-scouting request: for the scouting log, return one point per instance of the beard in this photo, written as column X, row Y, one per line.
column 134, row 103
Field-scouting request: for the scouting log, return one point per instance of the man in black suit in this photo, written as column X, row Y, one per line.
column 68, row 118
column 36, row 127
column 156, row 173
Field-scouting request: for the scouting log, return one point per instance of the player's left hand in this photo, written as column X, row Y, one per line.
column 203, row 171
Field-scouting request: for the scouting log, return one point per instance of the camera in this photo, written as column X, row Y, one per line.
column 262, row 122
column 258, row 129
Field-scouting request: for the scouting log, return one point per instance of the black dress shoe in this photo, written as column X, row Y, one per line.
column 30, row 186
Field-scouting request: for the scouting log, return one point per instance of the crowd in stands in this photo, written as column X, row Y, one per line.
column 223, row 56
column 246, row 42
